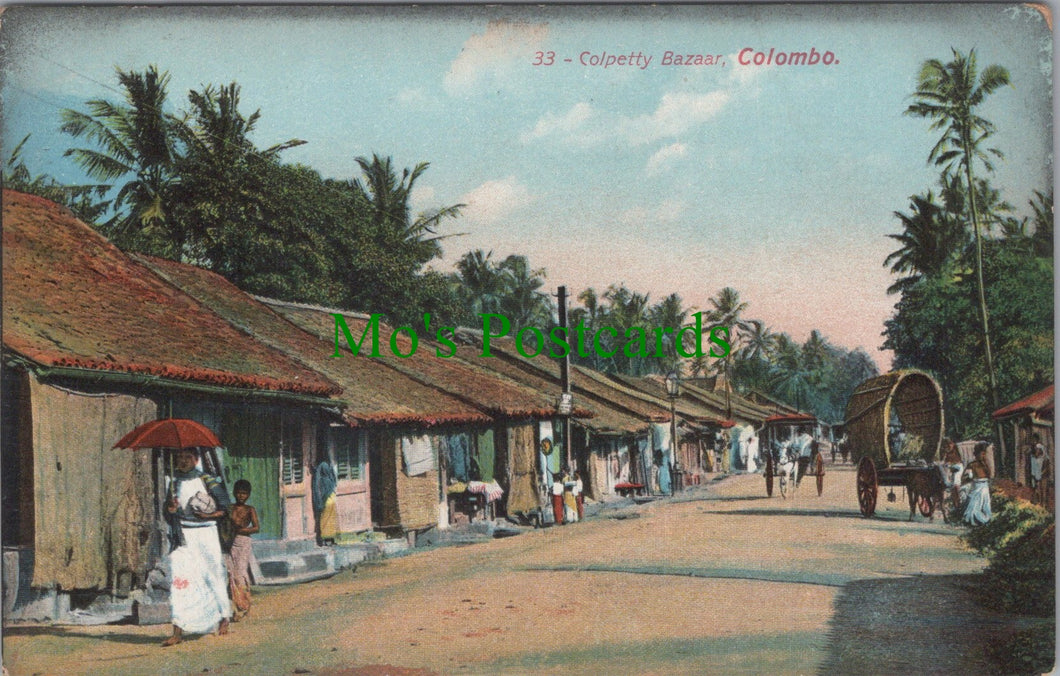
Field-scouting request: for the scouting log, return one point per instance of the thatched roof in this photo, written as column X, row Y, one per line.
column 912, row 396
column 374, row 393
column 73, row 301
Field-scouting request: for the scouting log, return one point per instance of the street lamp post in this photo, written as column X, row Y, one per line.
column 673, row 389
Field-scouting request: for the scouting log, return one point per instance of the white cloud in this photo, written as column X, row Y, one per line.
column 664, row 156
column 494, row 55
column 677, row 113
column 494, row 200
column 567, row 125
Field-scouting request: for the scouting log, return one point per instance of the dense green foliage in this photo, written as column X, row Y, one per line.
column 966, row 256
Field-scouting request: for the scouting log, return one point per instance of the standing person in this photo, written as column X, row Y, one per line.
column 1041, row 471
column 579, row 495
column 238, row 560
column 199, row 590
column 570, row 502
column 557, row 498
column 977, row 511
column 726, row 462
column 952, row 462
column 324, row 483
column 805, row 445
column 752, row 454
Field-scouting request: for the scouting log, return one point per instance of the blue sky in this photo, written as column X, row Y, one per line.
column 779, row 181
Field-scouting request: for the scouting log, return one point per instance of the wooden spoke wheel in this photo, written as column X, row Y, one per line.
column 769, row 475
column 867, row 488
column 818, row 469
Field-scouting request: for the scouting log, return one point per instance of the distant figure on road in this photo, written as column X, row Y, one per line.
column 804, row 445
column 557, row 498
column 1041, row 469
column 752, row 454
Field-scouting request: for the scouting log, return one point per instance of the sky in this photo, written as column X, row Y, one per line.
column 778, row 180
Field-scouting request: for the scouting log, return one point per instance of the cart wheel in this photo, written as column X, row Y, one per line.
column 769, row 475
column 867, row 486
column 819, row 471
column 926, row 505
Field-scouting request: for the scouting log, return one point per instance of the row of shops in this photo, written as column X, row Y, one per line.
column 96, row 342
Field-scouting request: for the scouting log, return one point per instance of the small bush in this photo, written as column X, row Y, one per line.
column 1011, row 518
column 1020, row 543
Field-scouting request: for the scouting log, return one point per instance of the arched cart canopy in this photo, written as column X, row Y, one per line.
column 913, row 396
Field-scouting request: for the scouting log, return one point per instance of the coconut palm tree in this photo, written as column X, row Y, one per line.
column 387, row 198
column 726, row 312
column 1042, row 205
column 790, row 377
column 221, row 197
column 135, row 148
column 930, row 238
column 949, row 94
column 480, row 286
column 627, row 311
column 523, row 303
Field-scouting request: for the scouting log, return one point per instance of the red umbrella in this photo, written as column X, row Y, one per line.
column 169, row 433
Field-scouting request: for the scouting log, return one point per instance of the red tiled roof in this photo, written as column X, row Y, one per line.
column 1041, row 402
column 792, row 418
column 375, row 393
column 73, row 299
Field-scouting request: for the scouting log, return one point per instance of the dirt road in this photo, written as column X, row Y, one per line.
column 719, row 580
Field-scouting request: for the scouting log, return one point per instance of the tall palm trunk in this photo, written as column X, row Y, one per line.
column 984, row 315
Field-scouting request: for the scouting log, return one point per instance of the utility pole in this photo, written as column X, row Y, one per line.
column 565, row 401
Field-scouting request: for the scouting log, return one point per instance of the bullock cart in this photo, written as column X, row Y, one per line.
column 782, row 429
column 894, row 423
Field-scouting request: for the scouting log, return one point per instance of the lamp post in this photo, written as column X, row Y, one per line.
column 673, row 389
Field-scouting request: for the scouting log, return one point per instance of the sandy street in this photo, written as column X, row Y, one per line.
column 720, row 580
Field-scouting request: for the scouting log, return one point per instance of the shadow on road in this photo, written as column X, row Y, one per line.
column 73, row 632
column 786, row 512
column 924, row 625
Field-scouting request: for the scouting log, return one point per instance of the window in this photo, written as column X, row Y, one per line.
column 349, row 452
column 293, row 471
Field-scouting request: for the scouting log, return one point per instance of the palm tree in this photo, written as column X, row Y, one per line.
column 751, row 367
column 726, row 312
column 522, row 302
column 135, row 142
column 479, row 284
column 930, row 238
column 1043, row 224
column 627, row 311
column 949, row 94
column 221, row 194
column 791, row 377
column 387, row 198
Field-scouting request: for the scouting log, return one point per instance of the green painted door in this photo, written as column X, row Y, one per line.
column 252, row 441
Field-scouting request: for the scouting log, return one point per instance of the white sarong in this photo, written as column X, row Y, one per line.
column 978, row 509
column 199, row 591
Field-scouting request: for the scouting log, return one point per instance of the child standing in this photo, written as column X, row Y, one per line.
column 245, row 523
